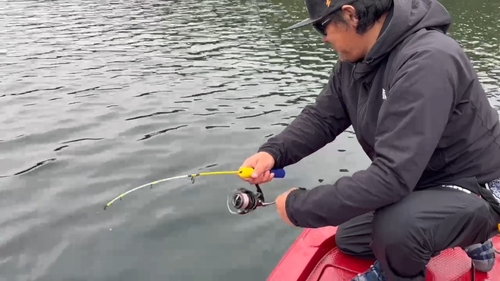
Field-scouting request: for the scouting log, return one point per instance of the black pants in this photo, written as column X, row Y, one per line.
column 404, row 236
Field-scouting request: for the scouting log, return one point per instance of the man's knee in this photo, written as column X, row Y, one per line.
column 354, row 237
column 407, row 234
column 400, row 244
column 391, row 231
column 344, row 243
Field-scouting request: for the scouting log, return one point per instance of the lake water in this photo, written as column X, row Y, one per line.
column 98, row 97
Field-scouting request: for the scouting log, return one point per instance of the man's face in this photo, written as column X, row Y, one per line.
column 343, row 38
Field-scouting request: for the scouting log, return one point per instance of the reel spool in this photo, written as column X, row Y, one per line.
column 243, row 201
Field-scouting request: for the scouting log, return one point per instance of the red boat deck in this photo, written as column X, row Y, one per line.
column 314, row 257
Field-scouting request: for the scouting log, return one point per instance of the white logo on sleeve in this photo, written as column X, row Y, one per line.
column 383, row 94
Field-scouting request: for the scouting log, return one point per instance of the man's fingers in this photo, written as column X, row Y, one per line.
column 261, row 163
column 269, row 177
column 259, row 170
column 266, row 174
column 265, row 177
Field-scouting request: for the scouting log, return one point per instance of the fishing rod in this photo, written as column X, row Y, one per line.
column 242, row 201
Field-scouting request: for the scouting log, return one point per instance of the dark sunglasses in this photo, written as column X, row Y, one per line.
column 320, row 27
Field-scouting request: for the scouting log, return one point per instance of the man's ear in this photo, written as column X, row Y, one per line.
column 350, row 16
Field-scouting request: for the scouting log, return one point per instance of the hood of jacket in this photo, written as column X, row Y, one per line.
column 405, row 18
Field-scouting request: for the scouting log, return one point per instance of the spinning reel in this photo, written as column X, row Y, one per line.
column 243, row 201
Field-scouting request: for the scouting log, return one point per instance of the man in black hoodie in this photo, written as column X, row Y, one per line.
column 421, row 115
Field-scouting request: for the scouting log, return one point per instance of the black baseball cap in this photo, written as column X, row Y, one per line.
column 319, row 9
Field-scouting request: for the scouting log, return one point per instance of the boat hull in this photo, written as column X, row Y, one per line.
column 314, row 257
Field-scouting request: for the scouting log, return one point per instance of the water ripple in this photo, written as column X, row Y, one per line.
column 37, row 165
column 154, row 114
column 147, row 136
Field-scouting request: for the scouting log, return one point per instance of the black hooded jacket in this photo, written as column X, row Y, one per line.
column 419, row 113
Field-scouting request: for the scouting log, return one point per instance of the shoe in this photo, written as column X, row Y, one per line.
column 482, row 255
column 374, row 273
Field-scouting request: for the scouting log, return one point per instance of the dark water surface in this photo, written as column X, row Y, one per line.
column 98, row 97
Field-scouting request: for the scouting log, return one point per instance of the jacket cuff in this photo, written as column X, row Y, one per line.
column 290, row 204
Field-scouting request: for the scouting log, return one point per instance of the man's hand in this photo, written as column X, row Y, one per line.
column 281, row 208
column 262, row 163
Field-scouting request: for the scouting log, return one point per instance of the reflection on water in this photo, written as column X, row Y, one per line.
column 101, row 96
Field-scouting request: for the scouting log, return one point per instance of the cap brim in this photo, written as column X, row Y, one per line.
column 301, row 24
